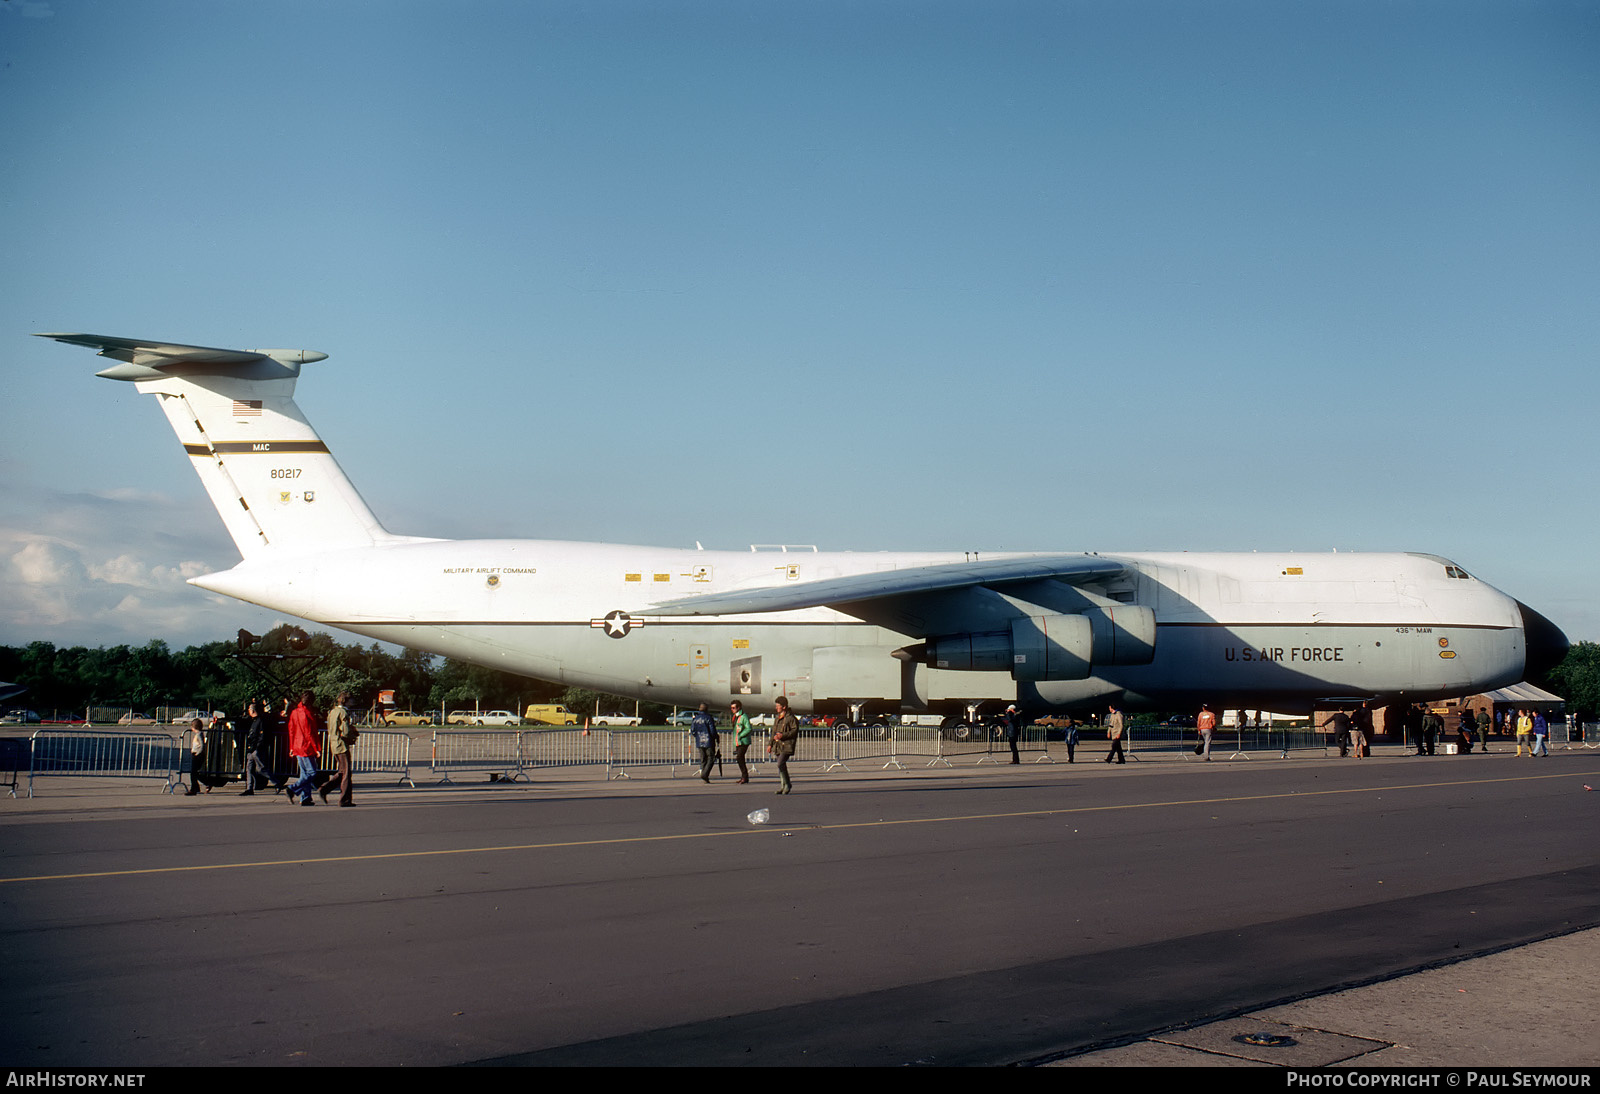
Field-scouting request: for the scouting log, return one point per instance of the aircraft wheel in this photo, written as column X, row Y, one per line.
column 842, row 730
column 880, row 731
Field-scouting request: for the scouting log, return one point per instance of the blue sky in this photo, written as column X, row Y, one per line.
column 1058, row 276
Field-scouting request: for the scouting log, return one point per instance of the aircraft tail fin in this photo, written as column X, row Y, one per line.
column 273, row 481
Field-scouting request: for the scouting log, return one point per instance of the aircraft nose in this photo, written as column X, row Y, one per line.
column 1547, row 646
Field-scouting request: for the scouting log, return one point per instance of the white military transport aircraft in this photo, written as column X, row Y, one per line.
column 861, row 635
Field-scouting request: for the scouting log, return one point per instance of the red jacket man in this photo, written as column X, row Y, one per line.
column 303, row 727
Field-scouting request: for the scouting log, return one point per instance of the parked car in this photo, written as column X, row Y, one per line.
column 186, row 717
column 550, row 714
column 685, row 718
column 1055, row 725
column 19, row 717
column 496, row 718
column 616, row 720
column 407, row 718
column 458, row 718
column 134, row 719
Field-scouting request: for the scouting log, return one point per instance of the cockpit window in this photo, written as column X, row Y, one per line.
column 1452, row 570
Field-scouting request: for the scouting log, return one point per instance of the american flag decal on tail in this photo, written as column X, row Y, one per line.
column 247, row 408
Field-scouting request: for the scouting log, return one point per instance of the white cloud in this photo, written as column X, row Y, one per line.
column 108, row 569
column 46, row 562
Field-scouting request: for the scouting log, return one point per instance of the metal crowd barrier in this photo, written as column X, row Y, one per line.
column 1030, row 740
column 637, row 748
column 460, row 750
column 987, row 744
column 950, row 748
column 564, row 747
column 926, row 744
column 615, row 753
column 866, row 745
column 104, row 754
column 814, row 746
column 1228, row 742
column 13, row 758
column 379, row 752
column 1263, row 739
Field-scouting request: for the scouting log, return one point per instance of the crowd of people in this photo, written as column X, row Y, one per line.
column 299, row 728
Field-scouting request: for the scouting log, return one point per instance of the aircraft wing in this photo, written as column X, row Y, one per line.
column 913, row 593
column 155, row 354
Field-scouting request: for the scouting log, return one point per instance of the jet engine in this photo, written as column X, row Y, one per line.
column 1123, row 635
column 1055, row 646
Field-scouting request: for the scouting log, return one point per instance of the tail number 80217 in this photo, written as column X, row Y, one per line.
column 286, row 472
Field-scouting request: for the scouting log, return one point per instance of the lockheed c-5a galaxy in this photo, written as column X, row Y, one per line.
column 855, row 634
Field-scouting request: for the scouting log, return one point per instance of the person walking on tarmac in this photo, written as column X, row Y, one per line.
column 197, row 752
column 255, row 750
column 1341, row 730
column 742, row 734
column 703, row 731
column 342, row 734
column 785, row 735
column 1541, row 736
column 1114, row 734
column 303, row 726
column 1361, row 731
column 1205, row 724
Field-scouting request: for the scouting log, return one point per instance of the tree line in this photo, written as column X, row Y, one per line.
column 63, row 681
column 1577, row 680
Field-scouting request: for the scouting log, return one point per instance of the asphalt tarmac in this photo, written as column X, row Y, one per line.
column 1162, row 911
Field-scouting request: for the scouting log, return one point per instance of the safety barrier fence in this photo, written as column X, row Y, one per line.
column 629, row 750
column 104, row 754
column 986, row 745
column 496, row 753
column 136, row 754
column 546, row 748
column 13, row 760
column 864, row 746
column 379, row 752
column 512, row 754
column 1229, row 741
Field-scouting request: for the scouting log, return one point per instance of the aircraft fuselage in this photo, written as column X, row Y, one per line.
column 1274, row 631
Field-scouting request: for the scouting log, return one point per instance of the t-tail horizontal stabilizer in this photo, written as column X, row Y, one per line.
column 273, row 481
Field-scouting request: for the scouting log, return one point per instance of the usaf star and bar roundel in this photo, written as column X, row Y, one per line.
column 617, row 624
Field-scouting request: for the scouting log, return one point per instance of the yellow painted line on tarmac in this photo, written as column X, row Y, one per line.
column 378, row 856
column 760, row 831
